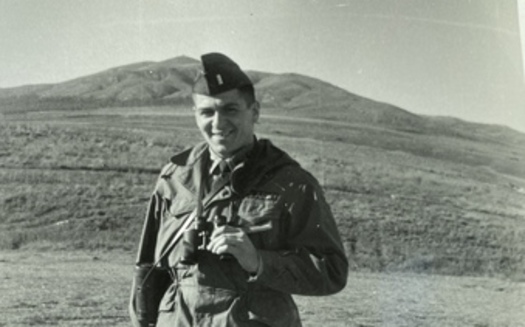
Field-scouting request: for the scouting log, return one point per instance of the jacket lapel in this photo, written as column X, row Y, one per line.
column 189, row 173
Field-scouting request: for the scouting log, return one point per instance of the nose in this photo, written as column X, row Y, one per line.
column 218, row 120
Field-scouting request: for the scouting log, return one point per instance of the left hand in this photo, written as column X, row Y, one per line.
column 233, row 240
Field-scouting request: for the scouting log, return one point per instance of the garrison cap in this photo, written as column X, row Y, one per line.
column 220, row 74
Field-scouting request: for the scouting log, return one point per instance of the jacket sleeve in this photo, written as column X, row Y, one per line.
column 146, row 251
column 314, row 261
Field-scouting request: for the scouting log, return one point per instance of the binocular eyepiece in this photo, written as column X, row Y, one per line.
column 196, row 239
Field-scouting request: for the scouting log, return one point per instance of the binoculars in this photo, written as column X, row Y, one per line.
column 195, row 240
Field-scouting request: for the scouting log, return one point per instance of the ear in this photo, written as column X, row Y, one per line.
column 256, row 111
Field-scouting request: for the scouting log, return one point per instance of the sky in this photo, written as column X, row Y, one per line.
column 460, row 58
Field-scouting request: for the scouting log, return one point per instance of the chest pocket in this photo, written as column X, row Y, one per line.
column 181, row 207
column 259, row 215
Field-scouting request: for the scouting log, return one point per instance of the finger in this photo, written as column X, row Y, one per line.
column 218, row 230
column 227, row 231
column 224, row 248
column 227, row 249
column 215, row 242
column 229, row 242
column 219, row 241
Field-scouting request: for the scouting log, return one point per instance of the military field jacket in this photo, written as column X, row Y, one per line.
column 301, row 253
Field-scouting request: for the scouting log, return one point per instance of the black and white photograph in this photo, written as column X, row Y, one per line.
column 278, row 163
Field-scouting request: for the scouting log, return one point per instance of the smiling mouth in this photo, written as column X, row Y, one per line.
column 221, row 134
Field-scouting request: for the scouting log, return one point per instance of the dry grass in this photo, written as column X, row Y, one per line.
column 73, row 189
column 403, row 202
column 72, row 288
column 63, row 289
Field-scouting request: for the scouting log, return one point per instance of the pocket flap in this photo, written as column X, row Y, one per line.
column 256, row 209
column 179, row 208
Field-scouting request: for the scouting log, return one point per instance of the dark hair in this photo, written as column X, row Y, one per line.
column 248, row 94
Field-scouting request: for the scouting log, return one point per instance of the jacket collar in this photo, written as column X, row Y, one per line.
column 190, row 164
column 260, row 163
column 232, row 161
column 263, row 158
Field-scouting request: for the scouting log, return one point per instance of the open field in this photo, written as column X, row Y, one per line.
column 76, row 289
column 403, row 202
column 433, row 226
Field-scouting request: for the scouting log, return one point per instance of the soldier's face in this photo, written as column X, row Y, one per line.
column 226, row 121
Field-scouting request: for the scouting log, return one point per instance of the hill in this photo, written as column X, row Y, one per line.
column 82, row 181
column 301, row 98
column 169, row 83
column 428, row 194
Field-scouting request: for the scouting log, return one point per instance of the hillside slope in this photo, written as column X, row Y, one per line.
column 169, row 82
column 293, row 96
column 83, row 182
column 409, row 192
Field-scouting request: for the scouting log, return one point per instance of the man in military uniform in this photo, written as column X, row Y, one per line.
column 270, row 232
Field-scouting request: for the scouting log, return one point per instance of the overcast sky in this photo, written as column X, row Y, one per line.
column 458, row 58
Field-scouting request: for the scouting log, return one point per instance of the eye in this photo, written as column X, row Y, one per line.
column 206, row 112
column 231, row 110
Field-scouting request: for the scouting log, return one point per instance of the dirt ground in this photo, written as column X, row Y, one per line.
column 88, row 289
